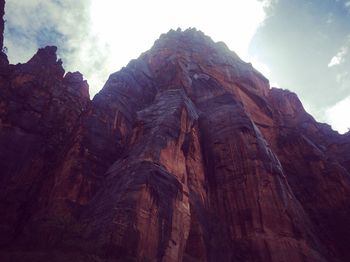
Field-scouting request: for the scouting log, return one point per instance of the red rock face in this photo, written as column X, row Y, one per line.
column 186, row 154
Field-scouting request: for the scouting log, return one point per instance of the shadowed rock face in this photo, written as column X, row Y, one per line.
column 186, row 154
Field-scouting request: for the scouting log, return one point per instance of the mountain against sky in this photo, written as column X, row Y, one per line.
column 299, row 45
column 185, row 154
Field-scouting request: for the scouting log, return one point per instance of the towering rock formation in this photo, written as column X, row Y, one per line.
column 186, row 154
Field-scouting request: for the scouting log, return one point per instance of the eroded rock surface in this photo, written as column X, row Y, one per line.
column 186, row 154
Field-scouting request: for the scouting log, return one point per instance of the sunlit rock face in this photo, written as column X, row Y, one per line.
column 186, row 154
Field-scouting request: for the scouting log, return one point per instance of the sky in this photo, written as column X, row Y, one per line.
column 300, row 45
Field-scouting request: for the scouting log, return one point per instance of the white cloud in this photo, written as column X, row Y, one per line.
column 342, row 53
column 33, row 20
column 338, row 115
column 269, row 3
column 261, row 67
column 334, row 61
column 339, row 57
column 347, row 5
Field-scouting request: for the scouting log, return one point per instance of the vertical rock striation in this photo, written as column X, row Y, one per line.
column 186, row 154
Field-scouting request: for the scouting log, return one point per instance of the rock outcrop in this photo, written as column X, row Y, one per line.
column 186, row 154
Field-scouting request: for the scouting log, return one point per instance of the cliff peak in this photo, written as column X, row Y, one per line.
column 193, row 40
column 46, row 56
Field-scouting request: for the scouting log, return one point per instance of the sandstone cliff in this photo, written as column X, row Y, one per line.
column 186, row 154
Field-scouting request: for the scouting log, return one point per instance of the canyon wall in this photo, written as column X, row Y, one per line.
column 186, row 154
